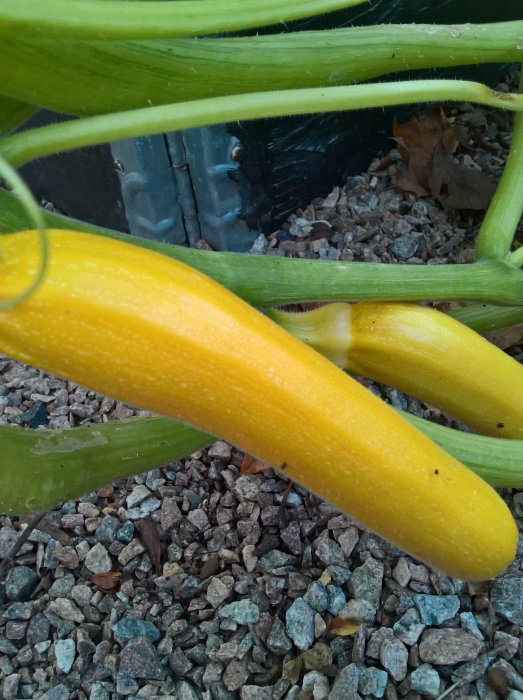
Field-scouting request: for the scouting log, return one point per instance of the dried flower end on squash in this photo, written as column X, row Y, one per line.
column 423, row 352
column 149, row 330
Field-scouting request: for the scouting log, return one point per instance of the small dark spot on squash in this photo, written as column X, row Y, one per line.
column 436, row 472
column 283, row 466
column 500, row 425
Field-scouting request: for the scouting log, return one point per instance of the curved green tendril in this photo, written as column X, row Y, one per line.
column 15, row 182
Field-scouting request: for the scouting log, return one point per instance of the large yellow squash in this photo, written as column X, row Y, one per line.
column 149, row 330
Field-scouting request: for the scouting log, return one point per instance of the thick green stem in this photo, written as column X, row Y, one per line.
column 497, row 460
column 89, row 131
column 504, row 213
column 486, row 317
column 266, row 281
column 97, row 77
column 40, row 468
column 112, row 19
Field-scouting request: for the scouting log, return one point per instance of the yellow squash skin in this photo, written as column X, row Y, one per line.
column 151, row 331
column 423, row 352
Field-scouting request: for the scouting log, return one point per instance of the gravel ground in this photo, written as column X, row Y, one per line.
column 239, row 600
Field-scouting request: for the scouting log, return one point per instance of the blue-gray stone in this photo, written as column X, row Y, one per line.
column 62, row 586
column 276, row 559
column 220, row 692
column 126, row 533
column 185, row 691
column 139, row 660
column 359, row 610
column 317, row 596
column 65, row 652
column 64, row 628
column 468, row 622
column 129, row 628
column 506, row 598
column 7, row 647
column 436, row 609
column 278, row 642
column 98, row 692
column 329, row 552
column 36, row 416
column 18, row 611
column 346, row 684
column 337, row 599
column 405, row 246
column 425, row 680
column 299, row 623
column 373, row 681
column 408, row 628
column 394, row 657
column 366, row 582
column 50, row 561
column 20, row 583
column 125, row 685
column 514, row 695
column 107, row 531
column 244, row 612
column 179, row 663
column 339, row 574
column 59, row 692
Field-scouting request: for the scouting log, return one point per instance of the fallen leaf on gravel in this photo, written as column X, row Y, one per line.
column 416, row 141
column 106, row 581
column 344, row 626
column 506, row 337
column 151, row 541
column 456, row 186
column 253, row 465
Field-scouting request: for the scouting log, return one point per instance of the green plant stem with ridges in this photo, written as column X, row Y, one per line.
column 497, row 460
column 504, row 213
column 97, row 77
column 107, row 19
column 266, row 281
column 89, row 131
column 487, row 317
column 40, row 468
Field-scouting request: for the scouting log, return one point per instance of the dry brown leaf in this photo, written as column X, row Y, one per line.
column 253, row 465
column 416, row 140
column 150, row 537
column 344, row 626
column 106, row 581
column 506, row 337
column 456, row 186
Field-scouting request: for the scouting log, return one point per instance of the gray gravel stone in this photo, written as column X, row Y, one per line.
column 244, row 612
column 291, row 535
column 98, row 692
column 10, row 686
column 359, row 610
column 66, row 609
column 278, row 642
column 299, row 623
column 409, row 628
column 67, row 556
column 65, row 652
column 394, row 657
column 366, row 581
column 373, row 681
column 183, row 690
column 337, row 599
column 346, row 684
column 220, row 450
column 59, row 692
column 468, row 622
column 247, row 487
column 506, row 598
column 62, row 586
column 130, row 551
column 106, row 531
column 448, row 646
column 317, row 596
column 125, row 685
column 220, row 588
column 404, row 246
column 18, row 611
column 20, row 583
column 235, row 675
column 425, row 680
column 436, row 609
column 138, row 659
column 137, row 495
column 328, row 551
column 98, row 560
column 129, row 628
